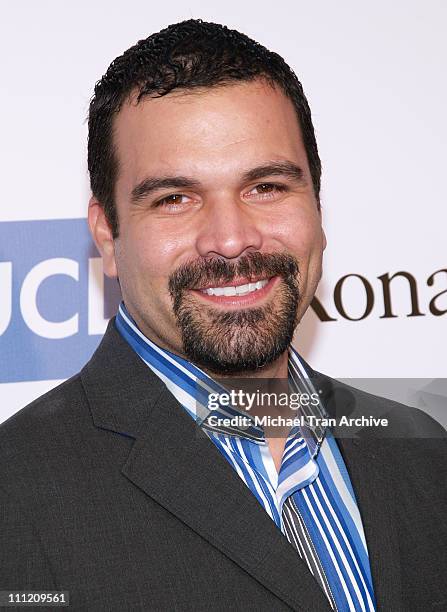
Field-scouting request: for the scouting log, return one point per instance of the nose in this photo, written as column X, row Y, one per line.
column 228, row 230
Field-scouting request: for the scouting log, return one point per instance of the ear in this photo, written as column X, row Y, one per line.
column 324, row 239
column 102, row 235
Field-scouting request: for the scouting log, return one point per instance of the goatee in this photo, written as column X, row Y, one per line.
column 236, row 341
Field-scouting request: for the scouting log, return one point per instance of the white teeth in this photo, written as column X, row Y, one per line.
column 239, row 290
column 243, row 289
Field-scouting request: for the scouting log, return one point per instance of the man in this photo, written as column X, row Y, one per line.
column 126, row 486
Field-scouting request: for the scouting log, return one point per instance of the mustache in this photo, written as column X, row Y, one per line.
column 202, row 272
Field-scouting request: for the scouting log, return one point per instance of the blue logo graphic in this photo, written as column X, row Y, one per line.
column 54, row 299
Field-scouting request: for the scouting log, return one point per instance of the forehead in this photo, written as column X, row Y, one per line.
column 208, row 130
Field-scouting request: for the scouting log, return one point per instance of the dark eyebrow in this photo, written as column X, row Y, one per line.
column 148, row 185
column 284, row 168
column 151, row 184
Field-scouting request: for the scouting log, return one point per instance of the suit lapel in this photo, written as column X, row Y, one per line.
column 376, row 506
column 183, row 471
column 175, row 464
column 369, row 462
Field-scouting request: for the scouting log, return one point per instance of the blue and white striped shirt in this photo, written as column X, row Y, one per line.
column 311, row 499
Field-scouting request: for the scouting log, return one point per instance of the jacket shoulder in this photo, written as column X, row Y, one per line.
column 403, row 421
column 48, row 416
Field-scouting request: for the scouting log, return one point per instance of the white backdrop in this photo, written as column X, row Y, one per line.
column 374, row 74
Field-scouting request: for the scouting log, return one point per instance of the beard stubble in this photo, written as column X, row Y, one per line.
column 236, row 341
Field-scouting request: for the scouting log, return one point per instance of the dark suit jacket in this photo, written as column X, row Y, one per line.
column 109, row 490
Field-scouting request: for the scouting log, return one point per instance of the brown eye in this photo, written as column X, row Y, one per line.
column 175, row 198
column 172, row 201
column 265, row 187
column 266, row 191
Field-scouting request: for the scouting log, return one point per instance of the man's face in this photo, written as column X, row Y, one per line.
column 220, row 240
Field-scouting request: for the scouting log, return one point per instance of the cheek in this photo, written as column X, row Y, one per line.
column 154, row 255
column 301, row 235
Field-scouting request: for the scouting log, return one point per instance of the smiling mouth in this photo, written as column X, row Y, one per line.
column 238, row 288
column 239, row 292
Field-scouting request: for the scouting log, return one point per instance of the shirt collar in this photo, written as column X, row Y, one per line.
column 192, row 387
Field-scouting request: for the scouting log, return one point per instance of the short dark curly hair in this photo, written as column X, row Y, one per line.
column 184, row 55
